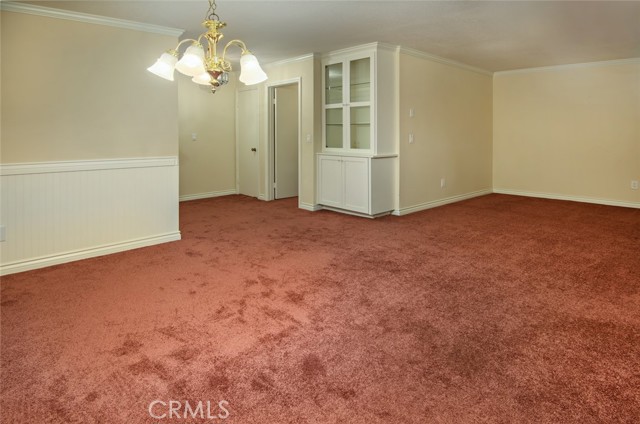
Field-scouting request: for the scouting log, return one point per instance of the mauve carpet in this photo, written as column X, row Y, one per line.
column 496, row 309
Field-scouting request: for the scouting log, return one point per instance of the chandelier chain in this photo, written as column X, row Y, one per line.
column 211, row 13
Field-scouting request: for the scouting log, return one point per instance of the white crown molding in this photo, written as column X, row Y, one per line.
column 49, row 12
column 427, row 56
column 84, row 165
column 292, row 60
column 630, row 61
column 554, row 196
column 357, row 49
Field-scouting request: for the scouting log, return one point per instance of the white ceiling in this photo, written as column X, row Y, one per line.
column 491, row 35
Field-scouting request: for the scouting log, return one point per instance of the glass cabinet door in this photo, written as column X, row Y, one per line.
column 360, row 96
column 347, row 105
column 333, row 84
column 360, row 80
column 333, row 93
column 360, row 127
column 333, row 128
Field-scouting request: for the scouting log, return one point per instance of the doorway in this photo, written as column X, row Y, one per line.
column 247, row 130
column 284, row 136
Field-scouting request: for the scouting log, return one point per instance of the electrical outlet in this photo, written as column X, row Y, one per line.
column 410, row 138
column 412, row 113
column 443, row 183
column 634, row 184
column 308, row 138
column 194, row 136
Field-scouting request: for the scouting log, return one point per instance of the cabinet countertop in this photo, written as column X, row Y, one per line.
column 358, row 155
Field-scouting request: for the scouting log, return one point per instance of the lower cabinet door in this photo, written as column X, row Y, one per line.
column 356, row 184
column 330, row 181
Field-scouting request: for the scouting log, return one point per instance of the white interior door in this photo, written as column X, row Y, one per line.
column 286, row 141
column 247, row 135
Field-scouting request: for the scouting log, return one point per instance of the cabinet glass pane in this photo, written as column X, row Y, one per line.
column 333, row 83
column 360, row 83
column 360, row 127
column 333, row 131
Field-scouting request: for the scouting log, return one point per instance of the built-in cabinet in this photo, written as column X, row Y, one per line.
column 362, row 185
column 356, row 169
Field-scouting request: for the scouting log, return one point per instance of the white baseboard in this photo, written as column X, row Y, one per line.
column 309, row 207
column 440, row 202
column 36, row 263
column 554, row 196
column 187, row 197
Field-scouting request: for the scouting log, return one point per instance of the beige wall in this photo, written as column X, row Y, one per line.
column 207, row 165
column 305, row 69
column 452, row 129
column 73, row 91
column 569, row 131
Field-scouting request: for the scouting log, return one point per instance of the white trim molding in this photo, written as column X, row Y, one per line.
column 555, row 196
column 77, row 255
column 440, row 202
column 293, row 60
column 207, row 195
column 49, row 12
column 309, row 207
column 445, row 61
column 630, row 61
column 84, row 165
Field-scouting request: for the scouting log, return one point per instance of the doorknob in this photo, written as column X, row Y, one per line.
column 253, row 149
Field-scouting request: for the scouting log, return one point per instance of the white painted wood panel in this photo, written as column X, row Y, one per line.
column 356, row 184
column 330, row 181
column 383, row 171
column 63, row 211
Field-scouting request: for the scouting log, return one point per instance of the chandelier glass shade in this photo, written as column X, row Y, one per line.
column 205, row 66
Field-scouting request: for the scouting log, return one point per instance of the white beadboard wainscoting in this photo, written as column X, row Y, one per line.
column 56, row 212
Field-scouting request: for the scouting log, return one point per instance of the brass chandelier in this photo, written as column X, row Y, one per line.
column 209, row 68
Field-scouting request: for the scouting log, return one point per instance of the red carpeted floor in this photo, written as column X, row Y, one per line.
column 497, row 309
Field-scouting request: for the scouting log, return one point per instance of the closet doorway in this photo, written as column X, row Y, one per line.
column 284, row 139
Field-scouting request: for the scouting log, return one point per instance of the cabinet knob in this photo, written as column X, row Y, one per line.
column 253, row 149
